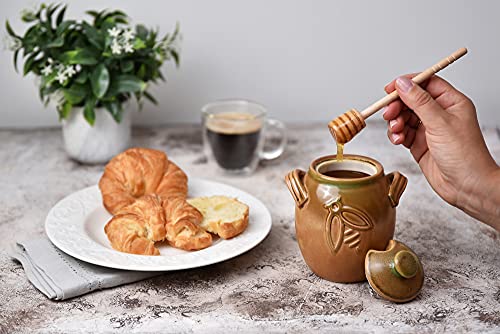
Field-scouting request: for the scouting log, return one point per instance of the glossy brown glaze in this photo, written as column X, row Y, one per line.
column 396, row 273
column 338, row 220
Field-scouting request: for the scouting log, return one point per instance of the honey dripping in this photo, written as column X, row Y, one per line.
column 340, row 152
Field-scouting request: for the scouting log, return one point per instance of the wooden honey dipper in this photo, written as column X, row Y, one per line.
column 349, row 124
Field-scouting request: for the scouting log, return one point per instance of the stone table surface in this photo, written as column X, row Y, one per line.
column 269, row 288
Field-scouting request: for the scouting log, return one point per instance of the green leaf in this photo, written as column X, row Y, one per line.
column 119, row 13
column 47, row 80
column 75, row 93
column 141, row 31
column 175, row 55
column 79, row 56
column 28, row 17
column 62, row 28
column 139, row 44
column 152, row 38
column 88, row 110
column 29, row 63
column 115, row 109
column 126, row 84
column 81, row 77
column 138, row 98
column 9, row 30
column 142, row 71
column 150, row 98
column 99, row 79
column 45, row 91
column 93, row 35
column 120, row 20
column 41, row 92
column 56, row 43
column 15, row 58
column 92, row 13
column 64, row 110
column 176, row 32
column 127, row 65
column 160, row 75
column 60, row 16
column 51, row 10
column 116, row 16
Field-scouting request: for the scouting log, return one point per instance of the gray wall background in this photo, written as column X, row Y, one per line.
column 305, row 60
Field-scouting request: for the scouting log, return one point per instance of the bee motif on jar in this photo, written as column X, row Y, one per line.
column 344, row 224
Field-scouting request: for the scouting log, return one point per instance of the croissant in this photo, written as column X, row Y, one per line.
column 137, row 172
column 136, row 227
column 141, row 172
column 131, row 174
column 183, row 225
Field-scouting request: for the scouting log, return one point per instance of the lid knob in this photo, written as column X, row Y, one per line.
column 405, row 264
column 395, row 273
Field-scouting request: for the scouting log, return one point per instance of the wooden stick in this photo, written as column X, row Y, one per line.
column 421, row 77
column 350, row 123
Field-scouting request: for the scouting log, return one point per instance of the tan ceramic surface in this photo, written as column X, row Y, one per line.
column 338, row 220
column 380, row 274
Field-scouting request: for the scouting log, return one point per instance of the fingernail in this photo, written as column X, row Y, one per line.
column 383, row 110
column 392, row 123
column 404, row 84
column 395, row 137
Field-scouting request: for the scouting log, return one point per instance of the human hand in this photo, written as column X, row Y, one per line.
column 439, row 125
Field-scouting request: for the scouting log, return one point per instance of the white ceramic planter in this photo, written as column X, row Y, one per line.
column 98, row 143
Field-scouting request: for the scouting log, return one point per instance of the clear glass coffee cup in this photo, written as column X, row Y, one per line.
column 235, row 132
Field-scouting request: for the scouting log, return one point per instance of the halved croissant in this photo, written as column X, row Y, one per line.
column 183, row 225
column 136, row 227
column 222, row 215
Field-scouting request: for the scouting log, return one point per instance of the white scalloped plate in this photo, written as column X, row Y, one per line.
column 75, row 225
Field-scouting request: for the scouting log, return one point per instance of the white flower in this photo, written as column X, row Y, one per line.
column 50, row 60
column 78, row 68
column 61, row 77
column 114, row 32
column 116, row 48
column 128, row 47
column 128, row 34
column 47, row 70
column 70, row 71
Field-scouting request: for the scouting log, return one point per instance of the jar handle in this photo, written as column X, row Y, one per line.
column 295, row 183
column 397, row 185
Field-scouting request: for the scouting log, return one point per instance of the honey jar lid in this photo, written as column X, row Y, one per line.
column 395, row 273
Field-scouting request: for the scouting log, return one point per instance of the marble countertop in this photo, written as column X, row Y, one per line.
column 270, row 288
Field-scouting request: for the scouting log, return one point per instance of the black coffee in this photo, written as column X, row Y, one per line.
column 345, row 174
column 233, row 138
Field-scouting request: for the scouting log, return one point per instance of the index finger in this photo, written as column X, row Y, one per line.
column 438, row 88
column 391, row 86
column 435, row 85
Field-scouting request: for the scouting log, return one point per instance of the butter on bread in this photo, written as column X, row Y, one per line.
column 222, row 215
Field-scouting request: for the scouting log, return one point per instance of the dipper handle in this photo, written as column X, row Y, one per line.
column 346, row 126
column 421, row 77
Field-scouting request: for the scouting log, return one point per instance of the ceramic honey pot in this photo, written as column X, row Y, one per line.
column 338, row 220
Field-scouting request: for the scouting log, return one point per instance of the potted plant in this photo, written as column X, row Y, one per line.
column 90, row 71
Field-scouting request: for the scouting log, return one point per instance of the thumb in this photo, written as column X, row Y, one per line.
column 420, row 101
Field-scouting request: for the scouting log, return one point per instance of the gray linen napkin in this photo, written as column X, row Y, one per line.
column 60, row 276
